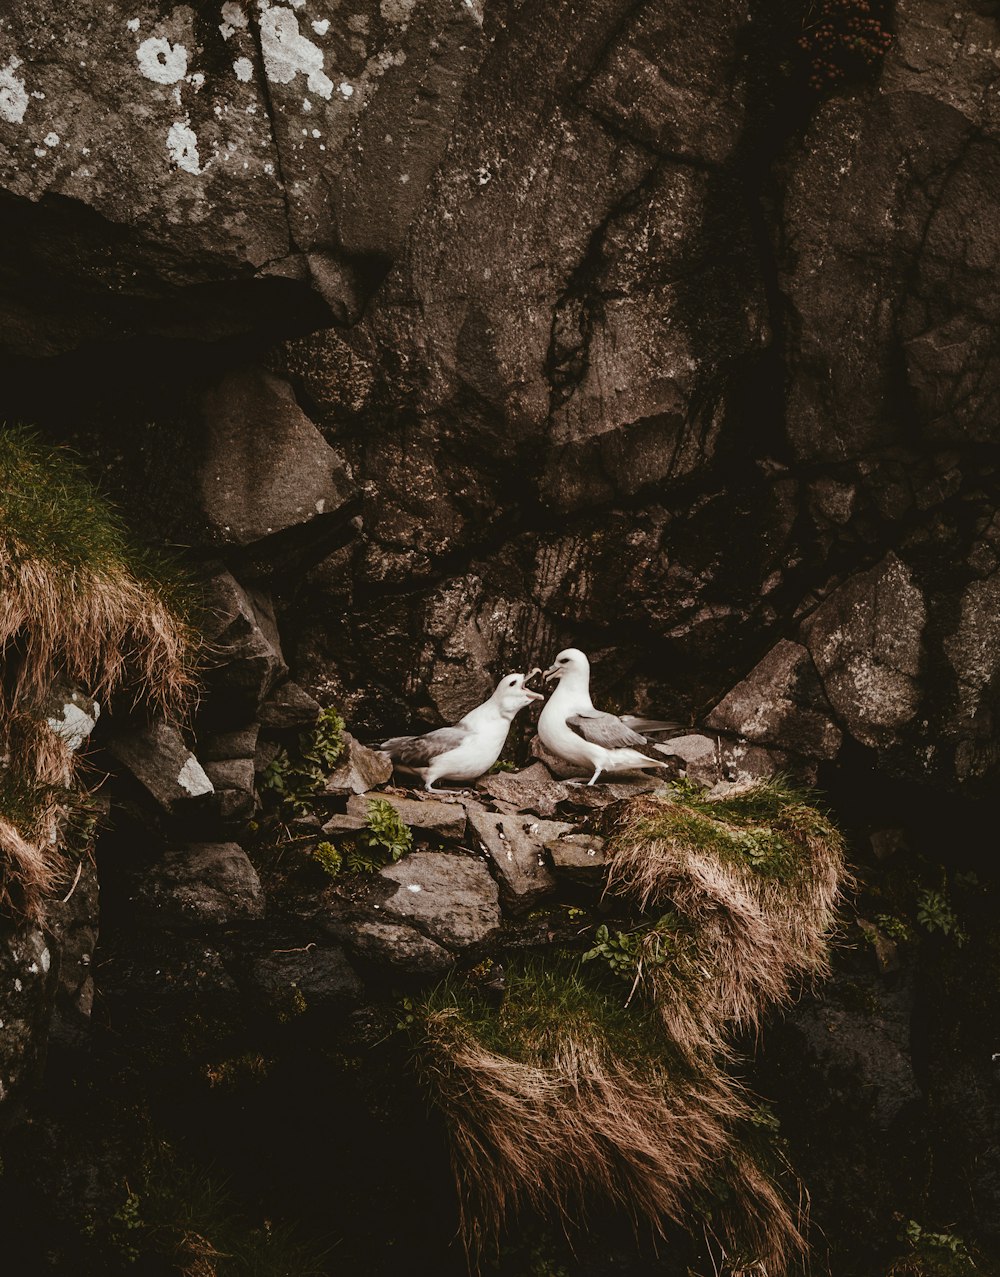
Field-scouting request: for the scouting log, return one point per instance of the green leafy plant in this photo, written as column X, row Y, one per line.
column 895, row 928
column 296, row 779
column 933, row 1254
column 502, row 765
column 387, row 830
column 628, row 953
column 934, row 913
column 328, row 858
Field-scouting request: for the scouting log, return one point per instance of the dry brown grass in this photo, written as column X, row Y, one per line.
column 81, row 607
column 568, row 1092
column 573, row 1100
column 756, row 878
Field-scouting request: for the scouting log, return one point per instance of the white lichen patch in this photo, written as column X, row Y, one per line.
column 288, row 53
column 233, row 19
column 75, row 724
column 414, row 886
column 13, row 95
column 396, row 10
column 192, row 778
column 45, row 959
column 161, row 61
column 322, row 26
column 51, row 139
column 243, row 68
column 345, row 89
column 182, row 144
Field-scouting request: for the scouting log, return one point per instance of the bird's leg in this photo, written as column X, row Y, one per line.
column 597, row 772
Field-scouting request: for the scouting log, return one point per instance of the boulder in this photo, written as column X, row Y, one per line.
column 866, row 641
column 249, row 662
column 450, row 898
column 289, row 706
column 200, row 885
column 265, row 466
column 72, row 922
column 514, row 845
column 780, row 703
column 429, row 816
column 72, row 715
column 216, row 747
column 233, row 779
column 359, row 770
column 699, row 756
column 156, row 755
column 400, row 949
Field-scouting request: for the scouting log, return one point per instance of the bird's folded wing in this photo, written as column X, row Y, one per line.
column 604, row 729
column 420, row 751
column 647, row 725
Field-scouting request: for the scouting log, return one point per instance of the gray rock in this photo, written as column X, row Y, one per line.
column 698, row 754
column 399, row 948
column 514, row 845
column 866, row 641
column 201, row 885
column 72, row 922
column 27, row 988
column 359, row 770
column 233, row 779
column 265, row 466
column 578, row 855
column 743, row 763
column 343, row 824
column 216, row 747
column 531, row 789
column 287, row 707
column 318, row 977
column 450, row 898
column 428, row 816
column 158, row 758
column 249, row 660
column 780, row 703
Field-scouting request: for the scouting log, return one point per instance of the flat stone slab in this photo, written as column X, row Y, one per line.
column 515, row 846
column 532, row 789
column 359, row 770
column 578, row 855
column 201, row 885
column 428, row 816
column 401, row 948
column 451, row 899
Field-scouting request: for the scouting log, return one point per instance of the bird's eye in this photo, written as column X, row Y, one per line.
column 563, row 660
column 512, row 682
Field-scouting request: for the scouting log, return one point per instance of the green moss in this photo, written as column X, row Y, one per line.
column 766, row 828
column 51, row 511
column 545, row 1003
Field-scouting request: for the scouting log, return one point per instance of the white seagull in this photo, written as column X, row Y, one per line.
column 470, row 748
column 573, row 730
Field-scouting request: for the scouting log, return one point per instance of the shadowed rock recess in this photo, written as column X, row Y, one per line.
column 354, row 353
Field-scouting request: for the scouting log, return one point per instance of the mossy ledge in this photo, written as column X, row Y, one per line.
column 83, row 608
column 576, row 1087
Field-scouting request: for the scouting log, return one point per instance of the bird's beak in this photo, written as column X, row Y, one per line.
column 530, row 691
column 551, row 673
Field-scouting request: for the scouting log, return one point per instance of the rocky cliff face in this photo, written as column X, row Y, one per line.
column 437, row 335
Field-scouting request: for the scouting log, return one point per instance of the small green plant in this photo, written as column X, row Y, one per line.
column 934, row 913
column 125, row 1224
column 328, row 858
column 681, row 787
column 295, row 780
column 895, row 928
column 934, row 1254
column 628, row 953
column 503, row 765
column 387, row 830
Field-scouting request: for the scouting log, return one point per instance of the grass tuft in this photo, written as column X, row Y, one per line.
column 755, row 877
column 83, row 608
column 564, row 1094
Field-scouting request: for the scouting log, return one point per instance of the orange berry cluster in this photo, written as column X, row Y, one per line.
column 847, row 39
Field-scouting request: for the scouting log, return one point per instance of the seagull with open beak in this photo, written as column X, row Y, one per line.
column 571, row 728
column 470, row 748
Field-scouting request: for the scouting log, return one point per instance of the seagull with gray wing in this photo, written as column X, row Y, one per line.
column 470, row 748
column 571, row 728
